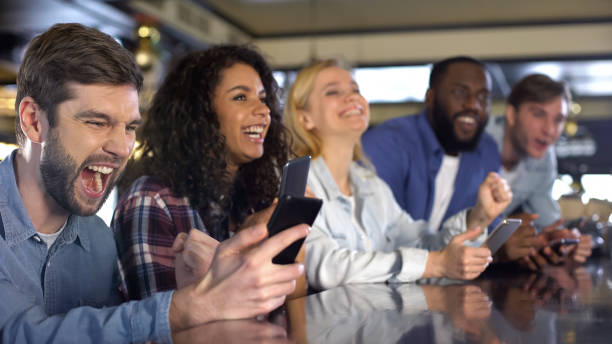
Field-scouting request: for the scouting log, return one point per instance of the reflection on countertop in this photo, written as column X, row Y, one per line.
column 557, row 305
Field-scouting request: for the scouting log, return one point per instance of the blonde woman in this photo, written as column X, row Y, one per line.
column 361, row 234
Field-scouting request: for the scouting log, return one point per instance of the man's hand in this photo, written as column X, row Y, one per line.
column 544, row 254
column 457, row 261
column 522, row 242
column 583, row 250
column 494, row 195
column 578, row 253
column 242, row 281
column 193, row 254
column 528, row 248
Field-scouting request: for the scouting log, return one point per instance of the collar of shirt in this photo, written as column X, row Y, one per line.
column 15, row 219
column 356, row 176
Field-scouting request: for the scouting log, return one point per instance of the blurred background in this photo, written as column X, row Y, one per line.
column 390, row 43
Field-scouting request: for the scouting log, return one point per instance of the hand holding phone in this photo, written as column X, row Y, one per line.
column 558, row 244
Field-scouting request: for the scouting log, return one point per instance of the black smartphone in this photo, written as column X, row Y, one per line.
column 556, row 245
column 501, row 233
column 295, row 177
column 291, row 211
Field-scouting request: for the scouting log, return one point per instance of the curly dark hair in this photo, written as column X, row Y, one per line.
column 182, row 144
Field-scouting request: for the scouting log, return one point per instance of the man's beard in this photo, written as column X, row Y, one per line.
column 59, row 172
column 444, row 129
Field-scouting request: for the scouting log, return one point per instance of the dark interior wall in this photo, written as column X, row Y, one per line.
column 600, row 132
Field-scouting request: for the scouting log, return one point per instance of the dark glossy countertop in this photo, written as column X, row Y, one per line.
column 558, row 305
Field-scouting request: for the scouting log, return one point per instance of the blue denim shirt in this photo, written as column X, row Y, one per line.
column 69, row 292
column 408, row 156
column 532, row 192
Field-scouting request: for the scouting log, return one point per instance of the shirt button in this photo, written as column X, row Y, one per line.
column 37, row 239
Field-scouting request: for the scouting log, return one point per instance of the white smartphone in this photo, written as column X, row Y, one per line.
column 501, row 233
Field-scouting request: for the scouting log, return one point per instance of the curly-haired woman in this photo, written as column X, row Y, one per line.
column 212, row 147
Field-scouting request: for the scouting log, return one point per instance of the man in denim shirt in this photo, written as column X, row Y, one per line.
column 77, row 112
column 535, row 115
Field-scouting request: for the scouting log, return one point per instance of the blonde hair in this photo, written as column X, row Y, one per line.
column 305, row 142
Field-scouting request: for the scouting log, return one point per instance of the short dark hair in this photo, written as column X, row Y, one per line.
column 70, row 53
column 439, row 68
column 538, row 88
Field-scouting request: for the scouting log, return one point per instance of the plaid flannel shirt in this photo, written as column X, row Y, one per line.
column 146, row 221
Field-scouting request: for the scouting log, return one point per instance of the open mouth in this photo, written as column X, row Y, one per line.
column 466, row 123
column 466, row 120
column 541, row 144
column 255, row 132
column 95, row 179
column 358, row 111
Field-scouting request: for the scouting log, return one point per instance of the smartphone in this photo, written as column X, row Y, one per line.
column 295, row 177
column 556, row 245
column 291, row 211
column 501, row 233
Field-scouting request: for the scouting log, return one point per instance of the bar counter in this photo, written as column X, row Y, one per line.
column 557, row 305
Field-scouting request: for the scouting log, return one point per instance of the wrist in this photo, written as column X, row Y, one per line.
column 188, row 308
column 434, row 266
column 178, row 315
column 477, row 217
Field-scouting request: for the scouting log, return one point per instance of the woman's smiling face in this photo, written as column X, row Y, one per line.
column 244, row 117
column 335, row 106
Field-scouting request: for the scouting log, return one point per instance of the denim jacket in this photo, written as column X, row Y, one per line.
column 69, row 292
column 335, row 251
column 533, row 191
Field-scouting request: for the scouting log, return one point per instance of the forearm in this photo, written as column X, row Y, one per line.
column 328, row 265
column 418, row 234
column 455, row 225
column 137, row 321
column 477, row 217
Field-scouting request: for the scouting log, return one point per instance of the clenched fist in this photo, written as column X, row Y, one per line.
column 494, row 195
